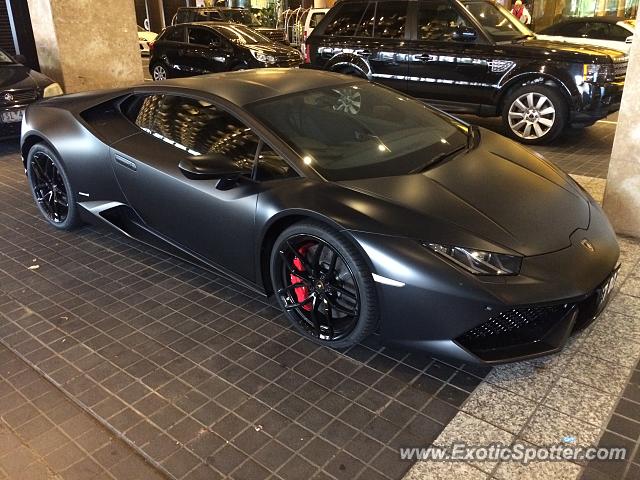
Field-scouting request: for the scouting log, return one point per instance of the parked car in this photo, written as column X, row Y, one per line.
column 227, row 14
column 310, row 21
column 19, row 87
column 206, row 47
column 390, row 216
column 609, row 32
column 145, row 37
column 471, row 57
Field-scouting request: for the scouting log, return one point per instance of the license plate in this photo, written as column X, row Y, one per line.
column 11, row 116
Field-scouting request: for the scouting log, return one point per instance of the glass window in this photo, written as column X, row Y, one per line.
column 390, row 19
column 241, row 34
column 598, row 30
column 498, row 22
column 360, row 130
column 437, row 20
column 572, row 29
column 4, row 58
column 174, row 35
column 618, row 33
column 272, row 166
column 195, row 127
column 315, row 19
column 365, row 27
column 202, row 36
column 346, row 20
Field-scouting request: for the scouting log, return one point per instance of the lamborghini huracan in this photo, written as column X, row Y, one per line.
column 360, row 209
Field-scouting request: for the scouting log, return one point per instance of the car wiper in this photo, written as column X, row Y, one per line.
column 441, row 157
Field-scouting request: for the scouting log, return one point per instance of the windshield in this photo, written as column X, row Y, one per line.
column 4, row 58
column 241, row 34
column 244, row 17
column 497, row 21
column 360, row 130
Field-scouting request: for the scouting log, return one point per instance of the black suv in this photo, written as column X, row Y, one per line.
column 208, row 47
column 471, row 57
column 227, row 14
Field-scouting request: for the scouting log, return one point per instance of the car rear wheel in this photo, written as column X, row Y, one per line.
column 534, row 114
column 159, row 72
column 51, row 188
column 323, row 285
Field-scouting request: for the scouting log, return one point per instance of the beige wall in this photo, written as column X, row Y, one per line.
column 622, row 195
column 87, row 44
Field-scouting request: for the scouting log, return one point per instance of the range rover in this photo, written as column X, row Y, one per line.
column 471, row 57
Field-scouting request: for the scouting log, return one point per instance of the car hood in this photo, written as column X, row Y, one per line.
column 147, row 36
column 17, row 77
column 499, row 193
column 572, row 52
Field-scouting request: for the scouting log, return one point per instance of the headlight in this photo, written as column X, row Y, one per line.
column 52, row 90
column 478, row 262
column 594, row 73
column 263, row 57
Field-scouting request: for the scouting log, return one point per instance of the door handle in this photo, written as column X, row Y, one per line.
column 425, row 57
column 126, row 163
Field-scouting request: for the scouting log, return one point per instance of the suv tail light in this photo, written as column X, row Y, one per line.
column 307, row 53
column 151, row 44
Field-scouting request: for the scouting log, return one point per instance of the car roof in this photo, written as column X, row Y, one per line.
column 248, row 86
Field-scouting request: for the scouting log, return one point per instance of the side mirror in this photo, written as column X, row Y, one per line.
column 21, row 59
column 629, row 39
column 210, row 166
column 464, row 34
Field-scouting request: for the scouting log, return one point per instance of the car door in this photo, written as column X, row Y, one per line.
column 201, row 216
column 171, row 46
column 441, row 68
column 206, row 51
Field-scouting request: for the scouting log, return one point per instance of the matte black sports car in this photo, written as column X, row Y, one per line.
column 360, row 208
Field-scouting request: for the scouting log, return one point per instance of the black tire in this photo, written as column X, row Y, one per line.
column 532, row 117
column 350, row 275
column 51, row 188
column 155, row 75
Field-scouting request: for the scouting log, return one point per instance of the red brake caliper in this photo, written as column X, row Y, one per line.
column 302, row 293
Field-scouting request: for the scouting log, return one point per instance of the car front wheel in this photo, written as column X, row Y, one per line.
column 159, row 72
column 323, row 285
column 534, row 114
column 51, row 188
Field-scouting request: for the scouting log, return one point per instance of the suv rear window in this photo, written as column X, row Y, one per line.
column 346, row 20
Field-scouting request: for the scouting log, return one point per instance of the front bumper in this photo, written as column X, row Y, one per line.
column 596, row 103
column 443, row 310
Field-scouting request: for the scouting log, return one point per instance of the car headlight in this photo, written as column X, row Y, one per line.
column 597, row 73
column 478, row 262
column 52, row 90
column 263, row 57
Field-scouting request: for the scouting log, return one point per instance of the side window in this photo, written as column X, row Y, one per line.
column 390, row 19
column 202, row 36
column 174, row 35
column 315, row 19
column 365, row 28
column 599, row 30
column 437, row 20
column 196, row 127
column 272, row 166
column 618, row 33
column 346, row 20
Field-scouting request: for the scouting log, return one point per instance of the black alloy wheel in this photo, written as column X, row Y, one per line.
column 50, row 188
column 323, row 287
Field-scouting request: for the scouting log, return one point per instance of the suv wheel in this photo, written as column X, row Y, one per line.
column 534, row 114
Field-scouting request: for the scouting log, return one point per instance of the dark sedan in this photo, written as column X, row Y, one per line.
column 211, row 47
column 20, row 86
column 361, row 209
